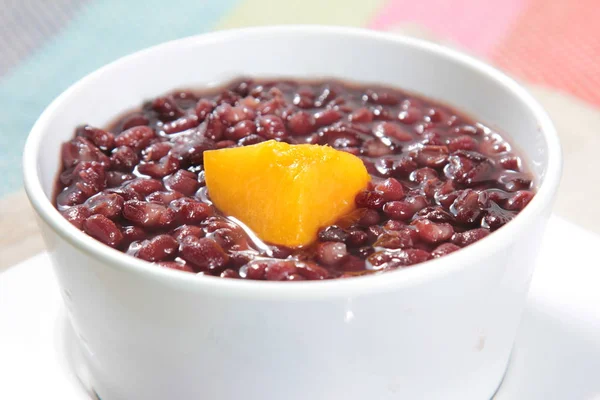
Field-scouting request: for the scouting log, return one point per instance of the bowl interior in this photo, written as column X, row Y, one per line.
column 352, row 55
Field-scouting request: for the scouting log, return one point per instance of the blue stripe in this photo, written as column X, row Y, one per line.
column 103, row 31
column 26, row 25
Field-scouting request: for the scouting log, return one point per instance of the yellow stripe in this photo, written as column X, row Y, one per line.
column 327, row 12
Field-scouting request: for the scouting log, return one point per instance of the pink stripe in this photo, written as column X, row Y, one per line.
column 476, row 24
column 556, row 44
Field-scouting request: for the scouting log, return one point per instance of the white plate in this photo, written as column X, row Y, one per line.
column 556, row 355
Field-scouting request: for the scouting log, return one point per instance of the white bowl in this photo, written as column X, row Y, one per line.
column 440, row 330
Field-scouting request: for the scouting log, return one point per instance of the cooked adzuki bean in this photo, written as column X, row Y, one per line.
column 440, row 181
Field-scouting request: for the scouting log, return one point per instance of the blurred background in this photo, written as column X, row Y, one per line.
column 550, row 45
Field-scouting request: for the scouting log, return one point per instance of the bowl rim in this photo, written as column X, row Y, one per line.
column 392, row 280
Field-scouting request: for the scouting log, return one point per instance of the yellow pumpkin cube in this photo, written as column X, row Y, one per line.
column 285, row 193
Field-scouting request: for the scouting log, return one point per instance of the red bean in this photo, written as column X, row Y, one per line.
column 376, row 148
column 70, row 196
column 432, row 156
column 357, row 238
column 391, row 189
column 395, row 240
column 462, row 143
column 467, row 130
column 108, row 204
column 510, row 162
column 435, row 214
column 367, row 217
column 468, row 237
column 354, row 264
column 232, row 115
column 273, row 106
column 132, row 233
column 228, row 97
column 382, row 97
column 228, row 238
column 361, row 115
column 179, row 266
column 148, row 215
column 181, row 232
column 76, row 215
column 103, row 229
column 79, row 150
column 116, row 178
column 373, row 232
column 413, row 256
column 204, row 254
column 137, row 138
column 333, row 233
column 144, row 187
column 184, row 98
column 166, row 108
column 410, row 115
column 432, row 232
column 100, row 138
column 436, row 115
column 181, row 124
column 327, row 117
column 270, row 127
column 159, row 169
column 89, row 177
column 301, row 123
column 241, row 130
column 328, row 93
column 250, row 139
column 432, row 137
column 183, row 181
column 403, row 258
column 394, row 225
column 230, row 273
column 312, row 271
column 331, row 253
column 158, row 248
column 370, row 199
column 404, row 210
column 466, row 207
column 188, row 211
column 496, row 218
column 124, row 158
column 422, row 175
column 214, row 223
column 519, row 200
column 134, row 120
column 304, row 98
column 280, row 271
column 213, row 128
column 222, row 144
column 203, row 108
column 404, row 166
column 392, row 131
column 164, row 197
column 444, row 249
column 256, row 270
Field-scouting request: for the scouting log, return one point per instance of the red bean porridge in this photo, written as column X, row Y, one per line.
column 440, row 181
